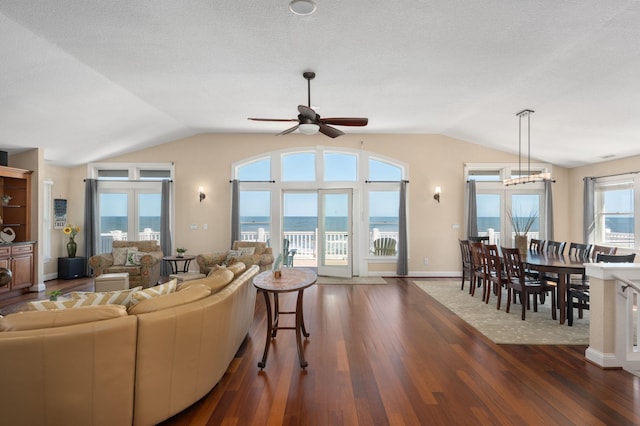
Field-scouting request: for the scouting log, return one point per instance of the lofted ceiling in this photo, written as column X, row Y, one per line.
column 86, row 80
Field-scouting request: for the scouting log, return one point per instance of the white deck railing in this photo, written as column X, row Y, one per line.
column 627, row 347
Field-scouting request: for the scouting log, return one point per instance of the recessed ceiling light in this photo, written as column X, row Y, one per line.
column 302, row 7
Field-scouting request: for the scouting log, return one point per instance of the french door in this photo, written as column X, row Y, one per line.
column 318, row 225
column 335, row 232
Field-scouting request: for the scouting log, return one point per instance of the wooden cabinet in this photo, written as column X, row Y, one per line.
column 16, row 215
column 16, row 247
column 19, row 260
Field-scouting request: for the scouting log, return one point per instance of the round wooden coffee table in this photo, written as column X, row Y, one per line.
column 291, row 279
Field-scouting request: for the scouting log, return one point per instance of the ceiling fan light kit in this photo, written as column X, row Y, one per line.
column 302, row 7
column 309, row 121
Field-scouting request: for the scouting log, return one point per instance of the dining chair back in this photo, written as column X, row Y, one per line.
column 578, row 297
column 602, row 249
column 616, row 258
column 536, row 246
column 579, row 250
column 467, row 265
column 555, row 247
column 518, row 282
column 479, row 266
column 496, row 275
column 483, row 239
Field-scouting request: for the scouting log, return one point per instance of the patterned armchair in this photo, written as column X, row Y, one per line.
column 143, row 269
column 240, row 252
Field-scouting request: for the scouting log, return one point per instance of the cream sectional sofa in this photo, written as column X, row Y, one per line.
column 106, row 365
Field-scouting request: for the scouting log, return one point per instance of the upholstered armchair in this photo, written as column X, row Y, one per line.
column 141, row 259
column 248, row 252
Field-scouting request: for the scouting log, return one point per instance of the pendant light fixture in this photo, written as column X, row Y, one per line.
column 528, row 178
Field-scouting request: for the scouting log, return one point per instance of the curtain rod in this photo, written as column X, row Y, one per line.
column 132, row 180
column 254, row 181
column 613, row 175
column 386, row 181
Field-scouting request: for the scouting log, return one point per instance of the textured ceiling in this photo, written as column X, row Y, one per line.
column 100, row 78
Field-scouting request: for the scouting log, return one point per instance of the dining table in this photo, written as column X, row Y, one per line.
column 561, row 264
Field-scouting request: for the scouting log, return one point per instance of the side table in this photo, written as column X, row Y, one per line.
column 291, row 279
column 173, row 261
column 71, row 267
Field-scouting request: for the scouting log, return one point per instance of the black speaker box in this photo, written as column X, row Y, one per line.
column 4, row 158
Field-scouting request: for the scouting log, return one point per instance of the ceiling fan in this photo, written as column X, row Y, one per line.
column 309, row 122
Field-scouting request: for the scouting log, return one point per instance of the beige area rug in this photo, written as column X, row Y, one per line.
column 352, row 280
column 503, row 328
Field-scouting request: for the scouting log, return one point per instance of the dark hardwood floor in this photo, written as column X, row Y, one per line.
column 390, row 354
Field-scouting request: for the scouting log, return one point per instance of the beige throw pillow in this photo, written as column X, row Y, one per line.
column 171, row 300
column 120, row 255
column 155, row 291
column 119, row 297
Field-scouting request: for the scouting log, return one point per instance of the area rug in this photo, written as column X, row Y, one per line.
column 352, row 280
column 503, row 328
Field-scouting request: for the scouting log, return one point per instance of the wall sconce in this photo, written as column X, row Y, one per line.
column 436, row 196
column 201, row 193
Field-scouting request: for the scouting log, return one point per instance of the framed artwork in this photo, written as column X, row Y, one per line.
column 59, row 213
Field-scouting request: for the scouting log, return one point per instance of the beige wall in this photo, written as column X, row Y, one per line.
column 434, row 160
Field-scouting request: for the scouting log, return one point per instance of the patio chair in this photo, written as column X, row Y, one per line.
column 287, row 253
column 384, row 247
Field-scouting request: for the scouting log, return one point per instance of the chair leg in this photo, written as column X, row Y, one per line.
column 570, row 311
column 524, row 300
column 553, row 304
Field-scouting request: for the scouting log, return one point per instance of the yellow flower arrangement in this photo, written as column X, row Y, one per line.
column 71, row 230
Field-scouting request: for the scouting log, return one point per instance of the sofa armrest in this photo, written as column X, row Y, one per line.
column 100, row 262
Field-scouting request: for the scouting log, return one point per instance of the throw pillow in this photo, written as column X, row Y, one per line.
column 60, row 318
column 133, row 257
column 214, row 269
column 155, row 291
column 171, row 300
column 120, row 297
column 247, row 251
column 231, row 254
column 120, row 255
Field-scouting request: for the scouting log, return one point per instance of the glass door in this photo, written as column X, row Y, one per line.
column 334, row 233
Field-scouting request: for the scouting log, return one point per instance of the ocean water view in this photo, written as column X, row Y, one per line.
column 310, row 223
column 622, row 225
column 120, row 223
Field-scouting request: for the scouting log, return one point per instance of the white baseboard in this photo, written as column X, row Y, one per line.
column 604, row 360
column 38, row 287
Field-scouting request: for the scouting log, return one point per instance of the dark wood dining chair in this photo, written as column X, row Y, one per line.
column 483, row 239
column 536, row 246
column 479, row 266
column 555, row 247
column 497, row 277
column 579, row 297
column 519, row 283
column 579, row 250
column 467, row 265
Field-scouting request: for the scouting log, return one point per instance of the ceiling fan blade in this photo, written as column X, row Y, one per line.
column 289, row 130
column 346, row 121
column 332, row 132
column 307, row 112
column 272, row 119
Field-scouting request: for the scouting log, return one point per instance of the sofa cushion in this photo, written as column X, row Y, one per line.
column 118, row 297
column 190, row 294
column 32, row 320
column 155, row 291
column 120, row 255
column 215, row 282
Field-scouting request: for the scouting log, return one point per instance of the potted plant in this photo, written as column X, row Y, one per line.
column 53, row 295
column 521, row 224
column 5, row 199
column 181, row 251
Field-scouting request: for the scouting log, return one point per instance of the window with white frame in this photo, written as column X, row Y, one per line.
column 615, row 205
column 129, row 200
column 495, row 202
column 285, row 206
